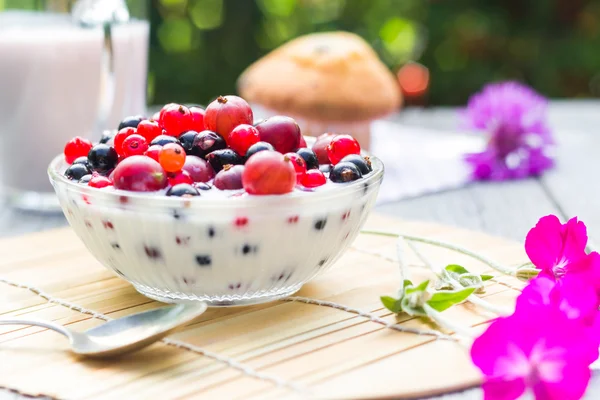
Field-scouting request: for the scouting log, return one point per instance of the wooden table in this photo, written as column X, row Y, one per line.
column 507, row 209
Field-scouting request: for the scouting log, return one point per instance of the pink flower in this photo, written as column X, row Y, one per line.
column 558, row 249
column 538, row 349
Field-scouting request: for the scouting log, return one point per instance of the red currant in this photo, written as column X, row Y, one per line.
column 320, row 147
column 242, row 137
column 134, row 145
column 149, row 129
column 176, row 178
column 99, row 181
column 153, row 151
column 77, row 147
column 172, row 157
column 175, row 119
column 120, row 138
column 299, row 165
column 313, row 178
column 340, row 146
column 197, row 119
column 268, row 172
column 225, row 113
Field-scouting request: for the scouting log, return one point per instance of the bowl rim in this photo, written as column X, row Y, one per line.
column 150, row 199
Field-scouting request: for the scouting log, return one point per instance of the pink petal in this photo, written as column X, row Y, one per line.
column 544, row 242
column 571, row 385
column 491, row 347
column 588, row 268
column 496, row 389
column 575, row 239
column 537, row 292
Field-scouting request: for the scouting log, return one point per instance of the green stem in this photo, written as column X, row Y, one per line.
column 446, row 323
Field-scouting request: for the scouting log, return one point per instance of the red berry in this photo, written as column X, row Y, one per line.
column 176, row 178
column 320, row 147
column 197, row 119
column 99, row 181
column 225, row 113
column 299, row 165
column 302, row 143
column 282, row 132
column 242, row 137
column 156, row 117
column 120, row 138
column 199, row 169
column 340, row 146
column 77, row 147
column 153, row 151
column 134, row 145
column 175, row 119
column 172, row 157
column 313, row 178
column 269, row 172
column 139, row 174
column 230, row 177
column 149, row 129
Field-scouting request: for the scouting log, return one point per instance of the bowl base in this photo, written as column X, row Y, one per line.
column 216, row 301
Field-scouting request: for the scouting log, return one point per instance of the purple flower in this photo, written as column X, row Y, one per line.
column 514, row 117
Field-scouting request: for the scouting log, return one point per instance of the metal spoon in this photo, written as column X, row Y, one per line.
column 123, row 335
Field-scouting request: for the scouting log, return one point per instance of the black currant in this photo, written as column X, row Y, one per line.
column 107, row 136
column 183, row 190
column 102, row 158
column 207, row 142
column 82, row 160
column 219, row 158
column 186, row 140
column 85, row 179
column 164, row 139
column 363, row 164
column 131, row 122
column 77, row 171
column 259, row 146
column 344, row 172
column 309, row 157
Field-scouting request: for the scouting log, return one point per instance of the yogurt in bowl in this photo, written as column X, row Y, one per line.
column 223, row 247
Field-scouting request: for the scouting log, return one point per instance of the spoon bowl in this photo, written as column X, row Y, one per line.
column 123, row 335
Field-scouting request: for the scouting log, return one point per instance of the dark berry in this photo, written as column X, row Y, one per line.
column 325, row 168
column 229, row 178
column 85, row 179
column 107, row 136
column 102, row 158
column 76, row 147
column 211, row 232
column 260, row 146
column 219, row 158
column 152, row 252
column 310, row 158
column 362, row 163
column 320, row 224
column 202, row 186
column 77, row 171
column 82, row 160
column 186, row 140
column 344, row 172
column 203, row 260
column 207, row 142
column 183, row 190
column 130, row 122
column 163, row 140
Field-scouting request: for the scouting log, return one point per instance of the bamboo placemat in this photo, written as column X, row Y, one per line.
column 333, row 339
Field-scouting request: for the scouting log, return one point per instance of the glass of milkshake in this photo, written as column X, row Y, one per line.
column 69, row 68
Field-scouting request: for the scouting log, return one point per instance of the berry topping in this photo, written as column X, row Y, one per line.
column 340, row 146
column 183, row 190
column 134, row 145
column 260, row 146
column 139, row 174
column 107, row 137
column 153, row 151
column 309, row 156
column 197, row 118
column 172, row 157
column 175, row 178
column 313, row 178
column 227, row 112
column 362, row 163
column 320, row 147
column 85, row 179
column 269, row 172
column 102, row 158
column 345, row 172
column 230, row 177
column 76, row 147
column 186, row 140
column 299, row 165
column 99, row 181
column 325, row 168
column 219, row 158
column 120, row 138
column 207, row 142
column 175, row 119
column 202, row 186
column 130, row 122
column 162, row 140
column 82, row 160
column 302, row 143
column 242, row 137
column 282, row 132
column 149, row 129
column 77, row 171
column 198, row 169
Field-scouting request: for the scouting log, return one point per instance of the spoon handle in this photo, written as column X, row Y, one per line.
column 37, row 322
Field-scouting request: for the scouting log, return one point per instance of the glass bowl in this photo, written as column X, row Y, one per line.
column 223, row 251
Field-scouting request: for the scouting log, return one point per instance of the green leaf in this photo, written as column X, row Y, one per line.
column 407, row 283
column 486, row 277
column 441, row 301
column 421, row 288
column 456, row 269
column 392, row 304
